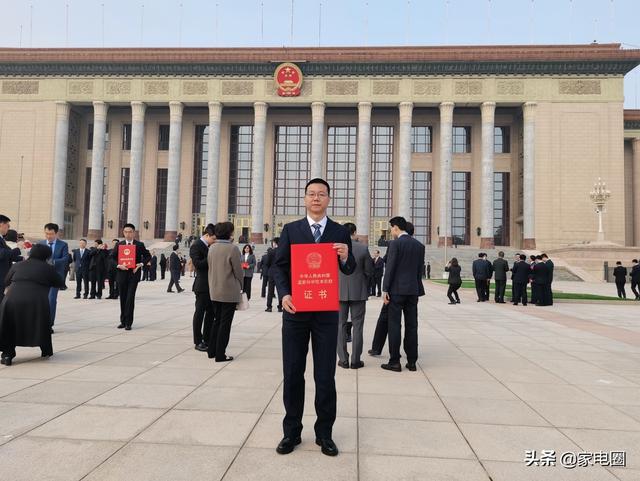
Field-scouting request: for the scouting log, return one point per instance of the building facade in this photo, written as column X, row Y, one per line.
column 484, row 146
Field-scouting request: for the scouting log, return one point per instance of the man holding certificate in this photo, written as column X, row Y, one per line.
column 310, row 252
column 130, row 255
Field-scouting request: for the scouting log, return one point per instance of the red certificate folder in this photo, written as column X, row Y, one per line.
column 314, row 277
column 127, row 256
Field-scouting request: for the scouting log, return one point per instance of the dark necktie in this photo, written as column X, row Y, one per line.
column 316, row 232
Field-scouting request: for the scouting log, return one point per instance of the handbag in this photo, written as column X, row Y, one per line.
column 243, row 305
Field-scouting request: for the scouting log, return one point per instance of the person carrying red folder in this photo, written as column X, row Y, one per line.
column 319, row 326
column 130, row 255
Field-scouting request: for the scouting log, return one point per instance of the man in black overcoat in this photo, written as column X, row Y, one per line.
column 203, row 315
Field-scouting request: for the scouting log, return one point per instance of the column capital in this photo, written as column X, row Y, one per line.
column 260, row 110
column 62, row 109
column 487, row 109
column 529, row 109
column 137, row 111
column 100, row 109
column 317, row 111
column 364, row 111
column 215, row 111
column 175, row 110
column 446, row 111
column 406, row 111
column 635, row 143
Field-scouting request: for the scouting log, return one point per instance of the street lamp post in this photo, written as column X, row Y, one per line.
column 599, row 195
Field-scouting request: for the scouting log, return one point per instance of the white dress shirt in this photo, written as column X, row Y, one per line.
column 322, row 222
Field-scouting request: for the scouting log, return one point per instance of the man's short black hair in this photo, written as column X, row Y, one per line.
column 539, row 257
column 83, row 239
column 40, row 252
column 52, row 226
column 318, row 180
column 224, row 230
column 275, row 240
column 410, row 229
column 4, row 219
column 500, row 254
column 635, row 260
column 98, row 241
column 399, row 222
column 351, row 227
column 523, row 257
column 210, row 230
column 545, row 256
column 128, row 225
column 618, row 263
column 480, row 255
column 175, row 247
column 115, row 240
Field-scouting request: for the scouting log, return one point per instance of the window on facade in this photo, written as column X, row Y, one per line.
column 421, row 205
column 87, row 198
column 292, row 166
column 461, row 140
column 124, row 199
column 90, row 135
column 240, row 169
column 501, row 209
column 200, row 165
column 126, row 137
column 421, row 139
column 163, row 137
column 161, row 203
column 502, row 140
column 460, row 207
column 381, row 171
column 341, row 169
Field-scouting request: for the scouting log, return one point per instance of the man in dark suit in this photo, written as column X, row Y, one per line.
column 7, row 255
column 81, row 258
column 112, row 270
column 479, row 270
column 97, row 268
column 270, row 262
column 378, row 274
column 547, row 287
column 620, row 275
column 635, row 278
column 264, row 273
column 321, row 327
column 175, row 270
column 127, row 278
column 203, row 314
column 520, row 279
column 500, row 268
column 59, row 260
column 401, row 287
column 540, row 278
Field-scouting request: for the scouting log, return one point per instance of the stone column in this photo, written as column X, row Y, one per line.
column 317, row 138
column 528, row 176
column 363, row 172
column 635, row 143
column 136, row 163
column 60, row 163
column 97, row 169
column 173, row 173
column 488, row 110
column 446, row 149
column 404, row 143
column 213, row 162
column 257, row 180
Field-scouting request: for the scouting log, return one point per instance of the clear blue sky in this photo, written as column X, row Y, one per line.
column 237, row 23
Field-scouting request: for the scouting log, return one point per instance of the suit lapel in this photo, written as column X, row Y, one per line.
column 306, row 231
column 328, row 230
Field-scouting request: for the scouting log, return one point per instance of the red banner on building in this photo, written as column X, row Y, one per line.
column 127, row 256
column 314, row 277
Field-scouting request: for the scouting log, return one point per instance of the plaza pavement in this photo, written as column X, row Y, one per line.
column 493, row 381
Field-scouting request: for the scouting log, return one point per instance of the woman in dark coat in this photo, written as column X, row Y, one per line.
column 24, row 312
column 454, row 281
column 248, row 266
column 163, row 265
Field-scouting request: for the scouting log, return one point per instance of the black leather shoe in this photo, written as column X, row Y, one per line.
column 287, row 445
column 392, row 367
column 357, row 365
column 7, row 361
column 373, row 352
column 121, row 326
column 344, row 365
column 226, row 359
column 268, row 309
column 329, row 448
column 201, row 347
column 51, row 330
column 77, row 297
column 127, row 328
column 349, row 339
column 411, row 366
column 279, row 309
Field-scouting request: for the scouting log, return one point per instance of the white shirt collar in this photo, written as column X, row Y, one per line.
column 403, row 233
column 322, row 222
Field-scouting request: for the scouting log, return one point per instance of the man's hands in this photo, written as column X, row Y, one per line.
column 385, row 298
column 122, row 268
column 138, row 266
column 287, row 304
column 342, row 250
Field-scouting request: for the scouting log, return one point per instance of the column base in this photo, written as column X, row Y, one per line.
column 94, row 234
column 441, row 241
column 170, row 235
column 363, row 239
column 257, row 238
column 487, row 243
column 529, row 244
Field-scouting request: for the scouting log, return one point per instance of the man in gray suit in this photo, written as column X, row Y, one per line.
column 354, row 292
